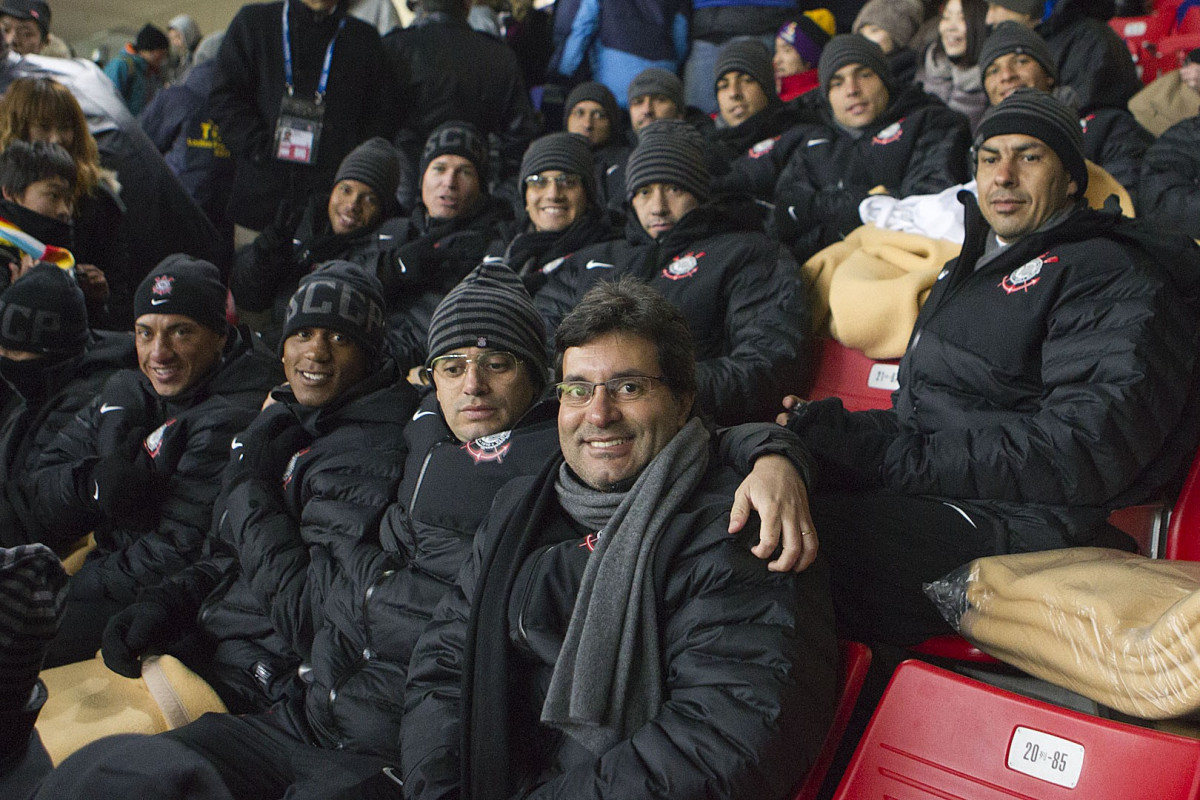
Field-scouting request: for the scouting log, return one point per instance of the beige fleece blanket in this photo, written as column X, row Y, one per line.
column 1118, row 628
column 865, row 291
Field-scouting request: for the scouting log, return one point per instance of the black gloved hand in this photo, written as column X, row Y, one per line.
column 142, row 628
column 122, row 481
column 264, row 449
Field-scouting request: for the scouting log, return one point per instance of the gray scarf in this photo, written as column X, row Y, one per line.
column 607, row 681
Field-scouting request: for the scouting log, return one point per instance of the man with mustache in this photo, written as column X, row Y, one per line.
column 1046, row 383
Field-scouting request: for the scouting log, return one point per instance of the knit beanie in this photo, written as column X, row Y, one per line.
column 33, row 594
column 852, row 48
column 668, row 151
column 491, row 308
column 750, row 57
column 809, row 33
column 657, row 81
column 1042, row 116
column 900, row 18
column 35, row 10
column 374, row 162
column 151, row 38
column 1030, row 8
column 457, row 138
column 1013, row 37
column 44, row 312
column 568, row 152
column 340, row 296
column 597, row 93
column 187, row 28
column 183, row 285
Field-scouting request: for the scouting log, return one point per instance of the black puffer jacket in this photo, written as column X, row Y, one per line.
column 1113, row 139
column 266, row 273
column 360, row 101
column 333, row 490
column 534, row 255
column 378, row 596
column 1047, row 387
column 436, row 63
column 741, row 293
column 422, row 260
column 1090, row 57
column 47, row 398
column 726, row 144
column 1169, row 189
column 748, row 664
column 189, row 443
column 917, row 146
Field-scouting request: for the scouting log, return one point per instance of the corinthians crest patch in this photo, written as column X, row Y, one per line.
column 493, row 447
column 889, row 134
column 153, row 442
column 162, row 285
column 290, row 472
column 1026, row 276
column 762, row 148
column 683, row 266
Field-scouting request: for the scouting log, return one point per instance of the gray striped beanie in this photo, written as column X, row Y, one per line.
column 750, row 57
column 1013, row 37
column 652, row 81
column 566, row 152
column 33, row 594
column 852, row 48
column 668, row 151
column 491, row 308
column 1042, row 116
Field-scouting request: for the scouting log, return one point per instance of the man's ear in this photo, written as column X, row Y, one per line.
column 11, row 197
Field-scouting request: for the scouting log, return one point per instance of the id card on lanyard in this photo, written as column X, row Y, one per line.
column 298, row 128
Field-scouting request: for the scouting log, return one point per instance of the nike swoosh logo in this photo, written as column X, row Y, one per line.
column 403, row 268
column 420, row 414
column 158, row 302
column 96, row 494
column 104, row 409
column 235, row 445
column 815, row 142
column 598, row 265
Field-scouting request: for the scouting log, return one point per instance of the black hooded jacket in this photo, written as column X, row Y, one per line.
column 1090, row 57
column 740, row 292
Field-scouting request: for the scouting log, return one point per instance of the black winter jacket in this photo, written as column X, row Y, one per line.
column 726, row 144
column 1113, row 139
column 245, row 594
column 422, row 260
column 1090, row 56
column 917, row 146
column 446, row 71
column 189, row 445
column 48, row 398
column 534, row 255
column 741, row 293
column 1169, row 189
column 360, row 101
column 1044, row 389
column 748, row 664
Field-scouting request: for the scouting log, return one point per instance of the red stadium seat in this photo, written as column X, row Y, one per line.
column 940, row 735
column 862, row 383
column 1183, row 529
column 1190, row 22
column 856, row 660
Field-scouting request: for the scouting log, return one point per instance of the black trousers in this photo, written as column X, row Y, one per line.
column 882, row 547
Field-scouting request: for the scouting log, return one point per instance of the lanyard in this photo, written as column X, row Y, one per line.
column 287, row 55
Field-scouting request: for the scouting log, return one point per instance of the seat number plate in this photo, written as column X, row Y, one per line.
column 1046, row 757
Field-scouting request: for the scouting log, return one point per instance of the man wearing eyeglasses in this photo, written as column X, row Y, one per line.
column 562, row 212
column 607, row 626
column 740, row 291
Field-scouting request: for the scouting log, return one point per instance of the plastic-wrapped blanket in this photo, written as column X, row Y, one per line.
column 1120, row 629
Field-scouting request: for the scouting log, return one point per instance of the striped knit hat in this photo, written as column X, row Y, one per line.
column 1042, row 116
column 668, row 151
column 852, row 48
column 567, row 152
column 1013, row 37
column 491, row 308
column 657, row 81
column 750, row 57
column 809, row 33
column 33, row 594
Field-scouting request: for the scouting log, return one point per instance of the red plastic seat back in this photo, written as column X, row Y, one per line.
column 940, row 735
column 856, row 660
column 1135, row 30
column 1183, row 530
column 862, row 383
